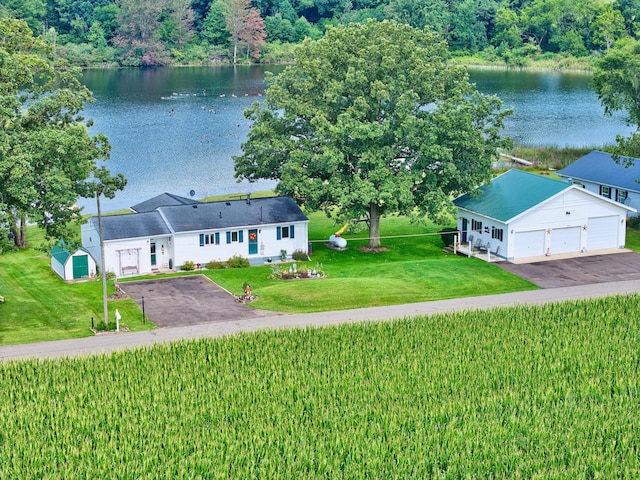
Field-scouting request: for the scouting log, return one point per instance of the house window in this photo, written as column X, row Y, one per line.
column 209, row 239
column 235, row 236
column 621, row 195
column 605, row 191
column 496, row 233
column 476, row 226
column 285, row 232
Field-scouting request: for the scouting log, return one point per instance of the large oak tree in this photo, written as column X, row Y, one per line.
column 47, row 157
column 372, row 119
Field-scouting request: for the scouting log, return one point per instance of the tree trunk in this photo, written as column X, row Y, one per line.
column 374, row 226
column 18, row 227
column 235, row 50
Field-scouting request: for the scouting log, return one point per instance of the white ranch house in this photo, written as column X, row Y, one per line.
column 167, row 236
column 520, row 215
column 599, row 173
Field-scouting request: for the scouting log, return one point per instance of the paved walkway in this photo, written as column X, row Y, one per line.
column 110, row 343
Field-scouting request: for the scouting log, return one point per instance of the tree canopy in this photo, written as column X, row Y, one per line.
column 164, row 32
column 372, row 120
column 615, row 80
column 46, row 152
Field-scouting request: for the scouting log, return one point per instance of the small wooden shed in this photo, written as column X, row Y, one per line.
column 72, row 265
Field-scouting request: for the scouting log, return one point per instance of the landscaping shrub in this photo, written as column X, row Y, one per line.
column 300, row 255
column 238, row 262
column 216, row 265
column 188, row 266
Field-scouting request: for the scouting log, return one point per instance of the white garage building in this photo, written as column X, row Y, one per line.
column 521, row 214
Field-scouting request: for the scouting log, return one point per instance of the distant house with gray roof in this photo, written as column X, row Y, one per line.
column 169, row 235
column 598, row 172
column 521, row 215
column 162, row 200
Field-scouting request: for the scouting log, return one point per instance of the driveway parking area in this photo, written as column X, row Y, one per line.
column 583, row 270
column 191, row 300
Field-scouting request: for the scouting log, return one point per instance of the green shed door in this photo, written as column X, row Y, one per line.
column 80, row 266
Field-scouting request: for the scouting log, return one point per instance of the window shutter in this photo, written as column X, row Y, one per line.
column 217, row 238
column 279, row 233
column 291, row 232
column 202, row 239
column 228, row 237
column 240, row 236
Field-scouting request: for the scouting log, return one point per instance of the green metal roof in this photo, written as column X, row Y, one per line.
column 510, row 194
column 60, row 253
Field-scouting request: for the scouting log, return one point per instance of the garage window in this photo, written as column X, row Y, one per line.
column 496, row 233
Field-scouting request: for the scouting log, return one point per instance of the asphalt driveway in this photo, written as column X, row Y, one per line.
column 584, row 270
column 191, row 300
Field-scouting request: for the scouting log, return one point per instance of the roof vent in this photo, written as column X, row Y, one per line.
column 220, row 215
column 195, row 206
column 228, row 203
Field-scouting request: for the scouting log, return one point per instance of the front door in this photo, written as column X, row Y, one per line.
column 253, row 242
column 463, row 240
column 153, row 254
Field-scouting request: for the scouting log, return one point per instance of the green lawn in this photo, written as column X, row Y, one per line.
column 413, row 269
column 633, row 239
column 40, row 306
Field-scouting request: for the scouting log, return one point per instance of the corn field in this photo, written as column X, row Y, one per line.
column 524, row 392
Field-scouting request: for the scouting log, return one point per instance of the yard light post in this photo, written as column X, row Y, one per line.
column 142, row 308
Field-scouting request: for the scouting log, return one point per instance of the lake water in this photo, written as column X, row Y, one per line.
column 175, row 129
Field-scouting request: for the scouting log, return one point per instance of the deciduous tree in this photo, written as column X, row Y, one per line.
column 373, row 120
column 245, row 26
column 46, row 152
column 615, row 80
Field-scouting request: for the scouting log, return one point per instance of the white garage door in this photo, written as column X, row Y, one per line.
column 529, row 244
column 602, row 232
column 565, row 240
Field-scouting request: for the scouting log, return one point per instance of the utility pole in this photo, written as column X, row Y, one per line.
column 103, row 274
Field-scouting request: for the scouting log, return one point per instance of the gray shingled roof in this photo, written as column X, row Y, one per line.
column 231, row 214
column 162, row 200
column 131, row 226
column 599, row 167
column 201, row 216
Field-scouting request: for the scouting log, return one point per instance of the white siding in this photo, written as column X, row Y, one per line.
column 187, row 245
column 633, row 198
column 57, row 267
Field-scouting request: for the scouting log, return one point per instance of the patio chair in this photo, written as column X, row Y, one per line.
column 485, row 248
column 478, row 244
